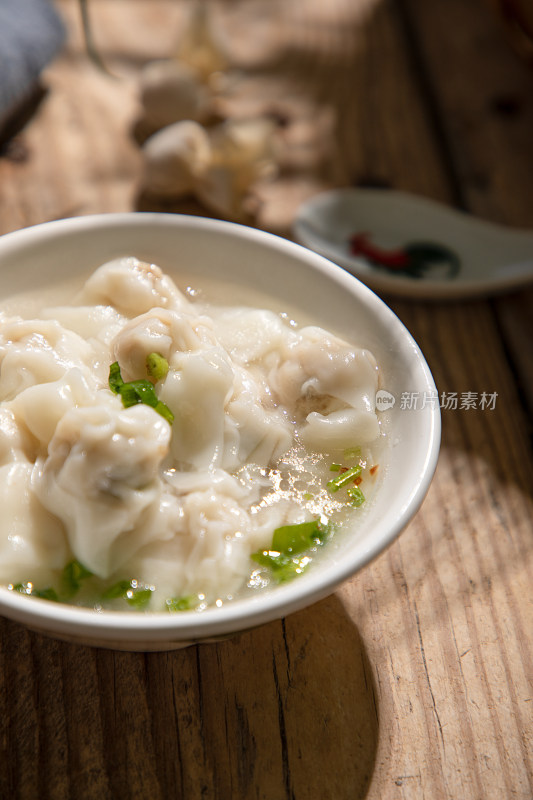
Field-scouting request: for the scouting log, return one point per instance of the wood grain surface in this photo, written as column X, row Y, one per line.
column 414, row 680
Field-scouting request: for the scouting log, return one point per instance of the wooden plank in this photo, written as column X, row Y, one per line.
column 483, row 97
column 486, row 125
column 473, row 640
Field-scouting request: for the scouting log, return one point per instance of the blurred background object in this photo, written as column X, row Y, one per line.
column 31, row 33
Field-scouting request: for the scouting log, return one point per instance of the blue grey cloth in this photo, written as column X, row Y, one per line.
column 31, row 33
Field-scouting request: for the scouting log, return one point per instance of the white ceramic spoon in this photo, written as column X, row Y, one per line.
column 492, row 258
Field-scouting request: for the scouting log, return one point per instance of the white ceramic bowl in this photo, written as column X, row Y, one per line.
column 290, row 274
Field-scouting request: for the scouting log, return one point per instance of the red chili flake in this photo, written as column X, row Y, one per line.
column 360, row 245
column 358, row 480
column 411, row 259
column 373, row 469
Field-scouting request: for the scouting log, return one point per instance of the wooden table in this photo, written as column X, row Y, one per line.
column 414, row 679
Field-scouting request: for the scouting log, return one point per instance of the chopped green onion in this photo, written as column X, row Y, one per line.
column 185, row 603
column 46, row 594
column 72, row 576
column 117, row 590
column 335, row 467
column 135, row 594
column 157, row 366
column 283, row 567
column 115, row 378
column 345, row 477
column 23, row 588
column 165, row 412
column 27, row 588
column 289, row 554
column 356, row 495
column 139, row 598
column 134, row 392
column 293, row 539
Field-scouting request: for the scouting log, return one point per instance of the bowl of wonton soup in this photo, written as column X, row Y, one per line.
column 203, row 428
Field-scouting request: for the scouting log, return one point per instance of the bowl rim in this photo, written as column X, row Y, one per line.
column 111, row 627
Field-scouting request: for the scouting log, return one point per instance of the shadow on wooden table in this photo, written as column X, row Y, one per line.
column 285, row 711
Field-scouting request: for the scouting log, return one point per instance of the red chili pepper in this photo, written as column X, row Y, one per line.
column 393, row 259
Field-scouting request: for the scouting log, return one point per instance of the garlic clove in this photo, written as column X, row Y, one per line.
column 218, row 192
column 228, row 193
column 242, row 154
column 244, row 142
column 175, row 159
